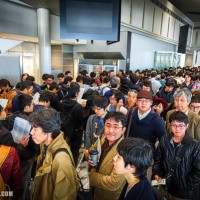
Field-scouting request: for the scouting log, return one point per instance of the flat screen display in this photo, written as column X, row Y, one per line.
column 90, row 19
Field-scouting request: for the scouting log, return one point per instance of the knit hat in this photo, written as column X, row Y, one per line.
column 144, row 94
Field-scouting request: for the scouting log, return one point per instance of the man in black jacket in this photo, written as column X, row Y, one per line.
column 177, row 160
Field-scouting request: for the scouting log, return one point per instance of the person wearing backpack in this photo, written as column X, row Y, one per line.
column 72, row 107
column 134, row 156
column 56, row 176
column 10, row 173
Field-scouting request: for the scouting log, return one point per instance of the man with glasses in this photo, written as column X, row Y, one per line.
column 195, row 104
column 143, row 121
column 95, row 123
column 104, row 180
column 182, row 98
column 177, row 160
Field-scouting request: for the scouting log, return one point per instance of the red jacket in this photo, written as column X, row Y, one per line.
column 11, row 173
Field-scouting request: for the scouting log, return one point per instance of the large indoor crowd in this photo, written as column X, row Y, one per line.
column 143, row 126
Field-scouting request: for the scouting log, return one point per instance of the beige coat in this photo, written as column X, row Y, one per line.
column 194, row 124
column 107, row 184
column 56, row 179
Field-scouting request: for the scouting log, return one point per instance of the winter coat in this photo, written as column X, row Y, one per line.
column 194, row 124
column 106, row 182
column 56, row 178
column 167, row 96
column 187, row 174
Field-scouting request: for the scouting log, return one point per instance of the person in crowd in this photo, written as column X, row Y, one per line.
column 36, row 87
column 182, row 99
column 134, row 156
column 188, row 83
column 105, row 182
column 116, row 102
column 11, row 172
column 68, row 73
column 23, row 78
column 70, row 105
column 160, row 106
column 105, row 86
column 60, row 78
column 195, row 104
column 167, row 91
column 56, row 177
column 177, row 159
column 144, row 122
column 49, row 78
column 44, row 101
column 9, row 92
column 95, row 123
column 155, row 84
column 146, row 85
column 162, row 80
column 131, row 99
column 25, row 88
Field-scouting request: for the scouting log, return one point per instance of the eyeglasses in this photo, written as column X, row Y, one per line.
column 96, row 108
column 181, row 126
column 195, row 107
column 115, row 127
column 144, row 100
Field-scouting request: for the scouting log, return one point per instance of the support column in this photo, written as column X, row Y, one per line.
column 43, row 19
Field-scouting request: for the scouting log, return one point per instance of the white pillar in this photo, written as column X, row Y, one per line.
column 43, row 18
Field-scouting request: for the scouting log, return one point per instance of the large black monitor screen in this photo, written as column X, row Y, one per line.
column 90, row 19
column 182, row 44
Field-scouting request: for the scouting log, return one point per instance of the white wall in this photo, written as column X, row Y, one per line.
column 143, row 50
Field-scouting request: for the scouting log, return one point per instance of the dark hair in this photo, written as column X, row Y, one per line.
column 4, row 83
column 178, row 116
column 60, row 75
column 117, row 116
column 44, row 97
column 53, row 85
column 100, row 101
column 30, row 78
column 146, row 83
column 45, row 77
column 67, row 79
column 117, row 94
column 170, row 82
column 48, row 120
column 106, row 79
column 1, row 108
column 23, row 101
column 136, row 152
column 73, row 90
column 195, row 99
column 79, row 78
column 25, row 74
column 67, row 72
column 153, row 74
column 26, row 85
column 93, row 74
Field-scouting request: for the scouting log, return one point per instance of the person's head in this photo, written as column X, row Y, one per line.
column 31, row 78
column 159, row 105
column 144, row 101
column 106, row 80
column 131, row 98
column 169, row 85
column 115, row 96
column 67, row 80
column 79, row 79
column 50, row 79
column 153, row 74
column 146, row 85
column 111, row 73
column 134, row 156
column 93, row 74
column 2, row 113
column 179, row 123
column 182, row 98
column 115, row 82
column 60, row 77
column 100, row 104
column 114, row 126
column 45, row 98
column 53, row 87
column 46, row 125
column 25, row 103
column 68, row 73
column 195, row 104
column 5, row 84
column 74, row 90
column 24, row 76
column 187, row 77
column 27, row 87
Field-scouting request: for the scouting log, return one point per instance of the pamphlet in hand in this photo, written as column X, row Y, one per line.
column 21, row 129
